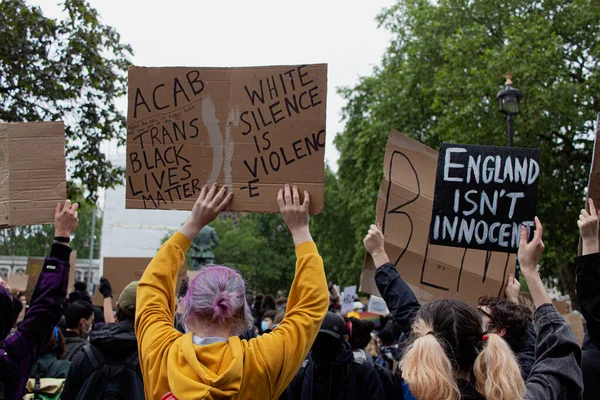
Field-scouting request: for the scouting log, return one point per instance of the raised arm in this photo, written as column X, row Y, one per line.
column 400, row 299
column 106, row 290
column 155, row 299
column 22, row 349
column 285, row 348
column 588, row 272
column 556, row 373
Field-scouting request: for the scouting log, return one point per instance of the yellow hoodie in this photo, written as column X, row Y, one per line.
column 257, row 369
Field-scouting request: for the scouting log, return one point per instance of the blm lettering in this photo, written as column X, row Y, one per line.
column 483, row 196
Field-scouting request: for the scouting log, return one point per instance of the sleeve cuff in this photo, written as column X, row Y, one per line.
column 588, row 257
column 60, row 252
column 543, row 310
column 306, row 248
column 181, row 241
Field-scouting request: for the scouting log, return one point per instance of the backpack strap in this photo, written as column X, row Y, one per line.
column 133, row 361
column 74, row 349
column 96, row 358
column 54, row 369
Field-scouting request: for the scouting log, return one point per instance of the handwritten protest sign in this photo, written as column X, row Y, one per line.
column 253, row 129
column 404, row 210
column 120, row 271
column 348, row 299
column 32, row 172
column 483, row 196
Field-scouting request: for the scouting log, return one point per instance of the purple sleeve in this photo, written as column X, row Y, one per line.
column 23, row 348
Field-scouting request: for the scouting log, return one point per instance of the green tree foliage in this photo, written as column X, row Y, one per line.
column 438, row 81
column 36, row 240
column 71, row 69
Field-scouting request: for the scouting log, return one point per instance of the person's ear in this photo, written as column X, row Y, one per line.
column 501, row 332
column 347, row 338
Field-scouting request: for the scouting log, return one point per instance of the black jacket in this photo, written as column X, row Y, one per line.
column 343, row 379
column 556, row 373
column 74, row 344
column 588, row 291
column 116, row 342
column 403, row 306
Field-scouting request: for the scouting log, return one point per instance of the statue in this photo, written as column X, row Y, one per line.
column 202, row 247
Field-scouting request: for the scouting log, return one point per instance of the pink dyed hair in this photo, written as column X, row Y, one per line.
column 217, row 295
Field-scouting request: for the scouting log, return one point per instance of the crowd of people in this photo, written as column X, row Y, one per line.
column 213, row 340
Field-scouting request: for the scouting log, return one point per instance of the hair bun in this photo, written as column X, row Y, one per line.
column 223, row 307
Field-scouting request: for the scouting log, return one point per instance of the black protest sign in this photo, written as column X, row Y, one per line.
column 483, row 195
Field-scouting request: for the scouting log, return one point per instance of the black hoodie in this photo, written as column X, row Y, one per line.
column 341, row 379
column 116, row 342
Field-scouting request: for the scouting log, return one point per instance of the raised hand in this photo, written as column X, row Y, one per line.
column 374, row 244
column 530, row 253
column 295, row 213
column 588, row 229
column 513, row 288
column 105, row 289
column 65, row 219
column 209, row 204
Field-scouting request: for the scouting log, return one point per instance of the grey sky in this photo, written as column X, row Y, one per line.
column 201, row 33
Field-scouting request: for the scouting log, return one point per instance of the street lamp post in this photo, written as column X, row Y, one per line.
column 508, row 103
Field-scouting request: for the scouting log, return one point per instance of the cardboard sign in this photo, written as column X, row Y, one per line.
column 377, row 306
column 404, row 209
column 483, row 196
column 576, row 322
column 593, row 191
column 32, row 172
column 120, row 271
column 253, row 129
column 17, row 282
column 348, row 299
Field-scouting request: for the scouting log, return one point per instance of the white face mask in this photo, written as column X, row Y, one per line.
column 86, row 332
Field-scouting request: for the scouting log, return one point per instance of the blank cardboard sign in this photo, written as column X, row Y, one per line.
column 32, row 172
column 120, row 271
column 17, row 282
column 253, row 129
column 483, row 196
column 404, row 209
column 34, row 269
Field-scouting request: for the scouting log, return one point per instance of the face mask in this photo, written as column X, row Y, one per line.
column 86, row 333
column 264, row 325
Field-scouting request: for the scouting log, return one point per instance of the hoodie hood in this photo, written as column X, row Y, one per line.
column 118, row 338
column 7, row 316
column 212, row 374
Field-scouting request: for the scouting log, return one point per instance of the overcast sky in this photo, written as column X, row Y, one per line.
column 342, row 33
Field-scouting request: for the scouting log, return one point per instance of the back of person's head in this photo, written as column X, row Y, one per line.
column 56, row 344
column 126, row 306
column 268, row 303
column 447, row 338
column 271, row 314
column 217, row 295
column 278, row 318
column 510, row 320
column 330, row 339
column 80, row 286
column 77, row 311
column 359, row 332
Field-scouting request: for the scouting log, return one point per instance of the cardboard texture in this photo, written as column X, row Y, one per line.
column 576, row 322
column 404, row 209
column 562, row 306
column 120, row 271
column 32, row 172
column 253, row 129
column 17, row 282
column 593, row 191
column 483, row 196
column 33, row 270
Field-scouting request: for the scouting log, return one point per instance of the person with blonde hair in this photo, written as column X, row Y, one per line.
column 449, row 355
column 211, row 361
